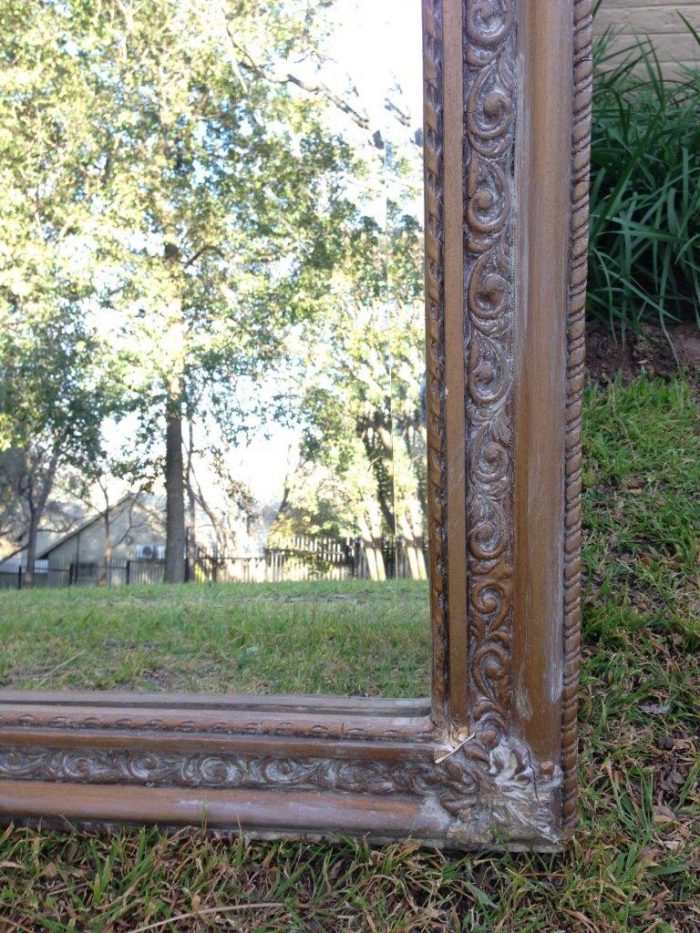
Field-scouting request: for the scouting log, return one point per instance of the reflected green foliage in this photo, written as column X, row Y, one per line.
column 361, row 398
column 161, row 180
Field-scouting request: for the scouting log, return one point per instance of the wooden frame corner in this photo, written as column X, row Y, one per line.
column 491, row 761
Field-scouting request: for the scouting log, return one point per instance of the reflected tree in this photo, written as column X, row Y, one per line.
column 194, row 182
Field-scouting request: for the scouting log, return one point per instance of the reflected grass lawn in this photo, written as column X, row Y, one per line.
column 353, row 637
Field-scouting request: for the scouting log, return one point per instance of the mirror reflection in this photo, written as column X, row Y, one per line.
column 212, row 412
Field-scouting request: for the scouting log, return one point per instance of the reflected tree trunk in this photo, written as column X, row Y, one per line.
column 372, row 545
column 35, row 505
column 416, row 561
column 109, row 549
column 33, row 535
column 175, row 540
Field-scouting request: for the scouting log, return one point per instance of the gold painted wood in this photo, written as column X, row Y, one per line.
column 490, row 760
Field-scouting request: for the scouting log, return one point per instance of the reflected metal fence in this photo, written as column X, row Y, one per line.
column 299, row 558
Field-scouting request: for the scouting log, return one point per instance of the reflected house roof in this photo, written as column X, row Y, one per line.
column 149, row 519
column 135, row 498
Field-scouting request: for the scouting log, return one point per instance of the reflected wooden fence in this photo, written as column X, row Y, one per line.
column 296, row 559
column 306, row 557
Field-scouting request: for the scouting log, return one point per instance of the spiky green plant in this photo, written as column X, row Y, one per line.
column 645, row 189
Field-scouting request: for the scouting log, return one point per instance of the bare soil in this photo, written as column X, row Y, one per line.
column 651, row 352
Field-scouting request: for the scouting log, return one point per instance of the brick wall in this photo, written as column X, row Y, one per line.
column 659, row 20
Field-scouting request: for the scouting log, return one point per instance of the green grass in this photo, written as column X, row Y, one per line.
column 635, row 863
column 352, row 637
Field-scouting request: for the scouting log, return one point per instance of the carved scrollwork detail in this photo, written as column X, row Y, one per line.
column 490, row 202
column 489, row 143
column 487, row 23
column 488, row 292
column 251, row 727
column 484, row 787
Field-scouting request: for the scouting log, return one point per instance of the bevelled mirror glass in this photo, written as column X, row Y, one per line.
column 212, row 383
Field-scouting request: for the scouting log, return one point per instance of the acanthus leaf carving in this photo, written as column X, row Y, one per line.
column 489, row 107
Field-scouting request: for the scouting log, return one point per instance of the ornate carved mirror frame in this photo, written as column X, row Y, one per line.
column 492, row 759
